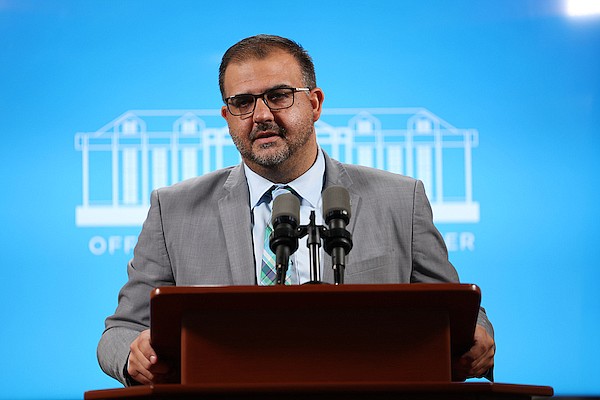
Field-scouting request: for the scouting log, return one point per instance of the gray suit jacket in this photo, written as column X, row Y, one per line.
column 198, row 232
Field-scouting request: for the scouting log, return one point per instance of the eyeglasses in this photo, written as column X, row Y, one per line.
column 275, row 99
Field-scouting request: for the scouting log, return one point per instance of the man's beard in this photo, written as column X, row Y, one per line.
column 273, row 158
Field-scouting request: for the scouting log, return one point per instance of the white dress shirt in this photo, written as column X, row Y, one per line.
column 309, row 187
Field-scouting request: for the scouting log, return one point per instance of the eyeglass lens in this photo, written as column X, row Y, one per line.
column 276, row 99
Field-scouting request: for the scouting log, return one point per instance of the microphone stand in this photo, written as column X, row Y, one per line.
column 313, row 241
column 314, row 244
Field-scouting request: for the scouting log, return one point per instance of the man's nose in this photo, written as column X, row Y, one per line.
column 262, row 113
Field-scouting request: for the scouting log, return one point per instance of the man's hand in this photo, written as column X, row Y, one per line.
column 144, row 366
column 478, row 360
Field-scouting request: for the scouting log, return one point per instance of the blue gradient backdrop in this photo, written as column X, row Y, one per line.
column 521, row 72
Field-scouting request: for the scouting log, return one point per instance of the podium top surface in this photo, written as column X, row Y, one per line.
column 170, row 304
column 440, row 391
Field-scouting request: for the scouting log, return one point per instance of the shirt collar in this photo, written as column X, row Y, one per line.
column 304, row 185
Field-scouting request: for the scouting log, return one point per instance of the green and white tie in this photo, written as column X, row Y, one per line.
column 268, row 272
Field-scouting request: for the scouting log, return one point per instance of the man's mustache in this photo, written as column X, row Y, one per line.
column 262, row 127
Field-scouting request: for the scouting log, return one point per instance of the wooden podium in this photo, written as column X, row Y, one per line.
column 317, row 342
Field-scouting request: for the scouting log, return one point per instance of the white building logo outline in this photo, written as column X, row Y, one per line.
column 146, row 149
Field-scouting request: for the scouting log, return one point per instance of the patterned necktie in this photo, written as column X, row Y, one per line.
column 268, row 272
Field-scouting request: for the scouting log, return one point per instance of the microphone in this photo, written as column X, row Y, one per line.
column 284, row 239
column 338, row 241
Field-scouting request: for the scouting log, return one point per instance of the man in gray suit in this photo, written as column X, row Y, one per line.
column 210, row 230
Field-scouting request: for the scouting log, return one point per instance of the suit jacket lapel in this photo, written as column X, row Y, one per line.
column 234, row 209
column 336, row 175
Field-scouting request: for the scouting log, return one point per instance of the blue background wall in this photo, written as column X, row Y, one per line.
column 521, row 72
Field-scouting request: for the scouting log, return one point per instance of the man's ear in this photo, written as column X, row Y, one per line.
column 316, row 100
column 224, row 113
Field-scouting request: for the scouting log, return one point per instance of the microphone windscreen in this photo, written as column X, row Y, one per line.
column 286, row 205
column 336, row 198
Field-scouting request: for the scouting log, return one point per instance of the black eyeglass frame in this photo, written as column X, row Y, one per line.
column 262, row 96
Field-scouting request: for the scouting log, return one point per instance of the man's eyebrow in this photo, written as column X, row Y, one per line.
column 280, row 86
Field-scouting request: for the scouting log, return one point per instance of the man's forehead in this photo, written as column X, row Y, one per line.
column 274, row 56
column 277, row 64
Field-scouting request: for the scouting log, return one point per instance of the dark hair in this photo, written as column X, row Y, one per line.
column 261, row 46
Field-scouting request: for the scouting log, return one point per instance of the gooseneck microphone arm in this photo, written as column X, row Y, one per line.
column 282, row 259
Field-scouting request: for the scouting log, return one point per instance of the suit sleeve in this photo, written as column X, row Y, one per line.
column 150, row 268
column 430, row 255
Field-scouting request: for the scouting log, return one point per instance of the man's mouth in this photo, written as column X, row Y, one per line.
column 266, row 136
column 266, row 139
